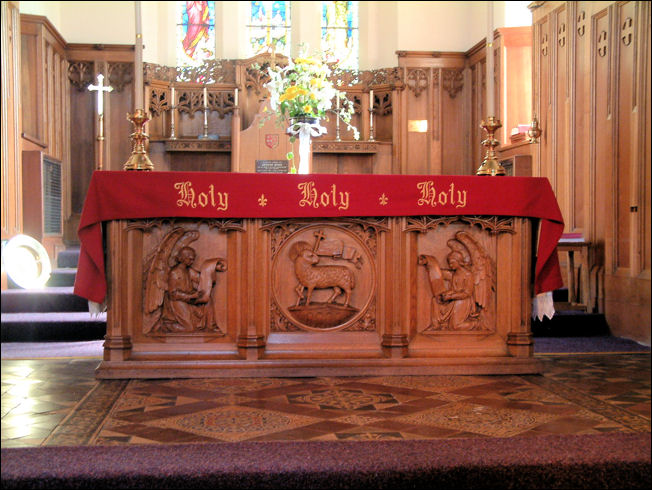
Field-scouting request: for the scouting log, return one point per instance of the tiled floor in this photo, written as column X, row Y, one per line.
column 58, row 402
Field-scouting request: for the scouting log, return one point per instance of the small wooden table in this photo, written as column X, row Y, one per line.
column 577, row 296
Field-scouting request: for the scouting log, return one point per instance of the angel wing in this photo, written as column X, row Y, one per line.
column 484, row 276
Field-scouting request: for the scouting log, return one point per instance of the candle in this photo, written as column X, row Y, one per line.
column 490, row 59
column 371, row 99
column 100, row 96
column 235, row 103
column 337, row 99
column 138, row 64
column 172, row 97
column 205, row 98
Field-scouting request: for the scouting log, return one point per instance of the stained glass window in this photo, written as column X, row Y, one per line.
column 339, row 33
column 269, row 27
column 195, row 33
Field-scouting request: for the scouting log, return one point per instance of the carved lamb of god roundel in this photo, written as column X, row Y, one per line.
column 323, row 278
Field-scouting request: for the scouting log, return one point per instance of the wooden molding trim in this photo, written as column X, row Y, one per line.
column 34, row 139
column 39, row 19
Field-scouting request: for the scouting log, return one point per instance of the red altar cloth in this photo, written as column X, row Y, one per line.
column 116, row 195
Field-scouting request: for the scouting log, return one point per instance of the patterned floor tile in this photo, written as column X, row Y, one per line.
column 58, row 402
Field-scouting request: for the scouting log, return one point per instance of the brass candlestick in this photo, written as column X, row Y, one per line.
column 490, row 165
column 138, row 159
column 534, row 132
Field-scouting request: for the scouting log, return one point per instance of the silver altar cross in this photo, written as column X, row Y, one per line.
column 100, row 89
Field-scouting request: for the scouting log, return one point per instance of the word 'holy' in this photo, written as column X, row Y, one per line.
column 311, row 197
column 188, row 197
column 430, row 196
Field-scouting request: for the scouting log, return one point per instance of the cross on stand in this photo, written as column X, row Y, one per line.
column 100, row 89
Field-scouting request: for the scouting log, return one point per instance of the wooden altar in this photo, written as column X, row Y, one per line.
column 214, row 275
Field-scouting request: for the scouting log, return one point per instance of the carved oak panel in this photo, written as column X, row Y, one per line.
column 184, row 277
column 323, row 277
column 456, row 292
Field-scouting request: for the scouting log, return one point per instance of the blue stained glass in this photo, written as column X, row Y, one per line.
column 269, row 27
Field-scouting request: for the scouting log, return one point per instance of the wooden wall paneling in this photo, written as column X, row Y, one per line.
column 433, row 82
column 117, row 128
column 11, row 205
column 43, row 52
column 450, row 122
column 398, row 131
column 49, row 98
column 561, row 112
column 31, row 65
column 85, row 61
column 582, row 196
column 543, row 83
column 627, row 291
column 66, row 174
column 624, row 43
column 602, row 177
column 475, row 93
column 403, row 129
column 645, row 141
column 82, row 134
column 515, row 62
column 420, row 157
column 435, row 115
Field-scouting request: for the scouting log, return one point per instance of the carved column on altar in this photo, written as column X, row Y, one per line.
column 395, row 337
column 251, row 339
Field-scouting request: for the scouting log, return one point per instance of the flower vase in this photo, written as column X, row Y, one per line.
column 306, row 127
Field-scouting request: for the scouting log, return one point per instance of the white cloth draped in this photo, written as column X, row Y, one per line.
column 305, row 131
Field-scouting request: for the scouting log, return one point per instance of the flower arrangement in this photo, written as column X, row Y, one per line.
column 302, row 89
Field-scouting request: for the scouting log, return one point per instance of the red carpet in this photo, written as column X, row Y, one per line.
column 596, row 461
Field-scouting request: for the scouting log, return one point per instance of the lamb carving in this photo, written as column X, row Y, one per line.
column 312, row 276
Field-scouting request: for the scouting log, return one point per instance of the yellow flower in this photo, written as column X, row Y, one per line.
column 291, row 92
column 306, row 61
column 316, row 82
column 307, row 109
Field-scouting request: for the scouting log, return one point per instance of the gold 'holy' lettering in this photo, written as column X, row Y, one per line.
column 188, row 197
column 311, row 197
column 430, row 196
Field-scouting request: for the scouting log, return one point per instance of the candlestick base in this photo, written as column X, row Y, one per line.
column 138, row 159
column 490, row 165
column 534, row 132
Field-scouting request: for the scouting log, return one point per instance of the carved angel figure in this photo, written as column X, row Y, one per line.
column 464, row 291
column 178, row 297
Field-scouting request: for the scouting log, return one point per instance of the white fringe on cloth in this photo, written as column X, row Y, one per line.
column 96, row 308
column 542, row 305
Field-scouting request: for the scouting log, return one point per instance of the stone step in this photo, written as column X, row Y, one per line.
column 58, row 278
column 62, row 278
column 68, row 258
column 571, row 323
column 42, row 327
column 54, row 299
